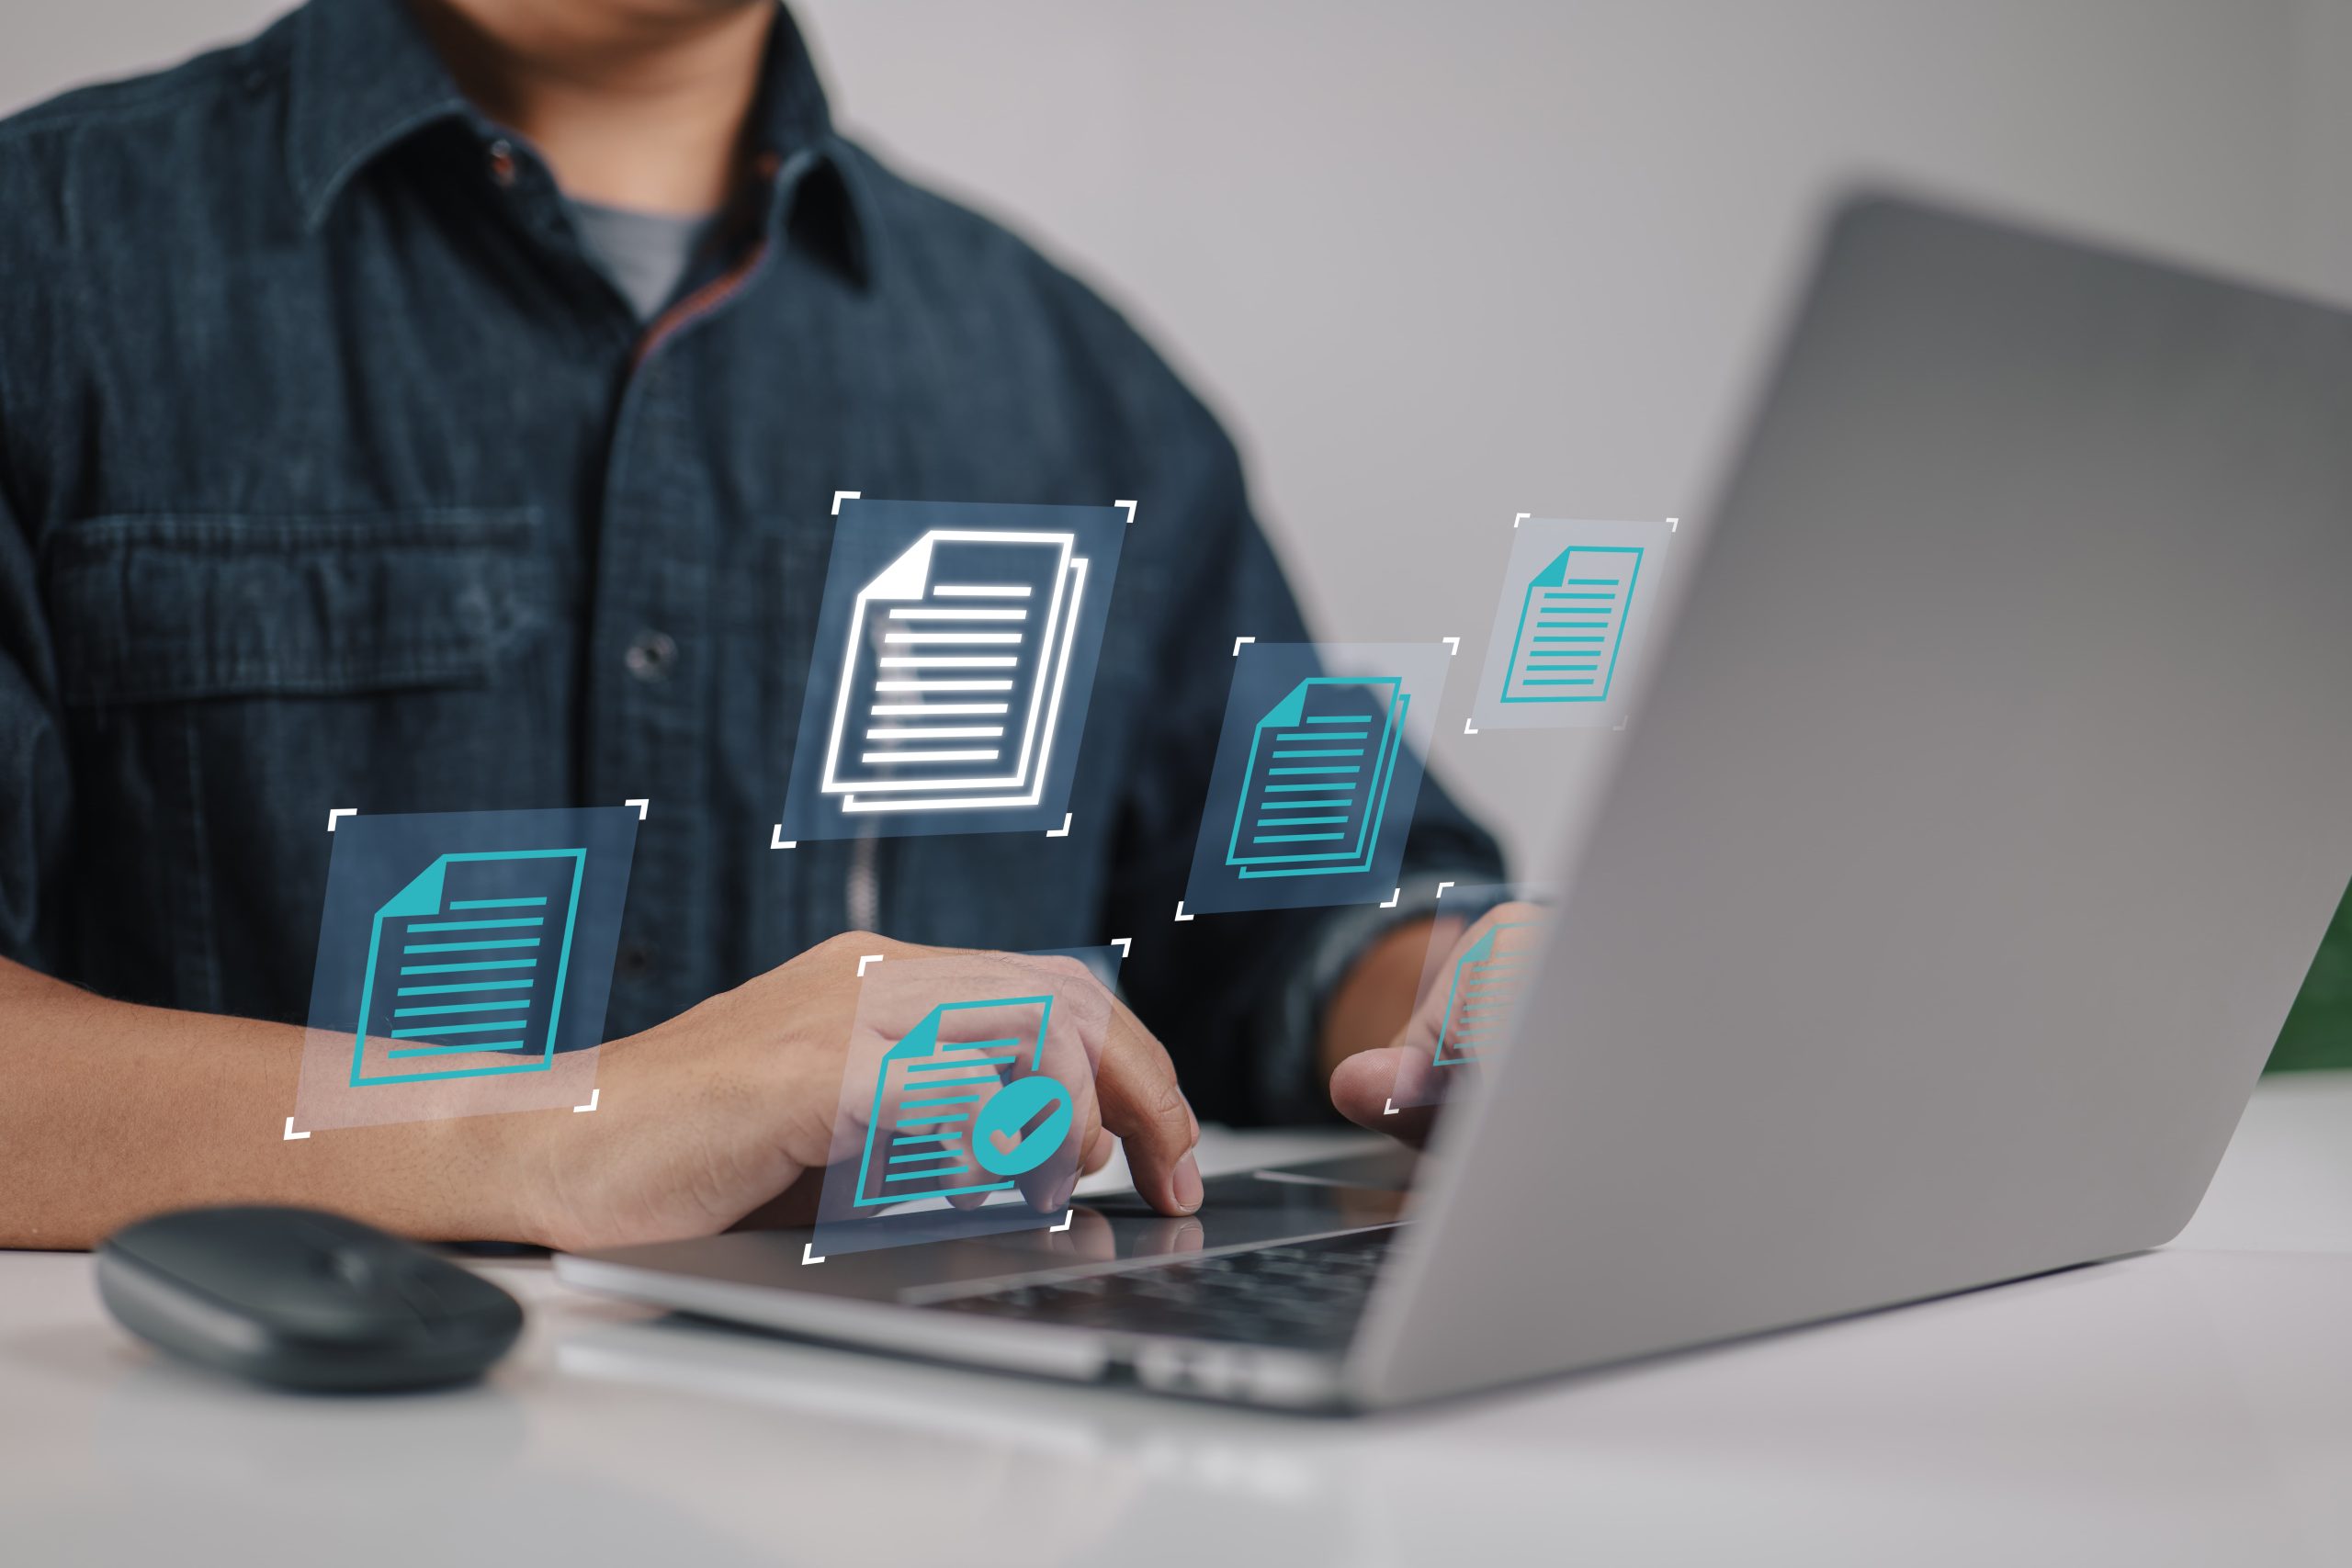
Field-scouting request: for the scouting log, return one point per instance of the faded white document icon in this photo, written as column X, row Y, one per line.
column 951, row 683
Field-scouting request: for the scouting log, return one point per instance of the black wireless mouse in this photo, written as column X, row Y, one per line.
column 303, row 1299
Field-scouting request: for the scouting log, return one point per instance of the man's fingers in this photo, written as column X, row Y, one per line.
column 1141, row 1102
column 1120, row 1080
column 1363, row 1089
column 1494, row 1000
column 1069, row 1059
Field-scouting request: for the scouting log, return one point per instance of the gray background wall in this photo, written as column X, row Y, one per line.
column 1437, row 263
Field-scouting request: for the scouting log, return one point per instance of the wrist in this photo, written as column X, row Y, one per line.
column 544, row 1162
column 527, row 1171
column 562, row 1169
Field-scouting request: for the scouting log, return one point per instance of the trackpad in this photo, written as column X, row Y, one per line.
column 1378, row 1170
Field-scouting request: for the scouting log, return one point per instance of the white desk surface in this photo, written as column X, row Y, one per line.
column 2193, row 1406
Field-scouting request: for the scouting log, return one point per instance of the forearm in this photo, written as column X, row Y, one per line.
column 109, row 1111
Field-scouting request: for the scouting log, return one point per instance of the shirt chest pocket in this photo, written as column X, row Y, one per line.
column 230, row 680
column 171, row 608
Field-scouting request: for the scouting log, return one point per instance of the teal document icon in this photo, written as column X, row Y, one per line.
column 1570, row 626
column 1483, row 993
column 1316, row 789
column 925, row 1136
column 466, row 965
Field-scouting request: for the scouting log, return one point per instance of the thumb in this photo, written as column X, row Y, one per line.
column 1362, row 1086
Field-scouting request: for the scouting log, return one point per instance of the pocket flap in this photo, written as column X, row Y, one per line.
column 161, row 608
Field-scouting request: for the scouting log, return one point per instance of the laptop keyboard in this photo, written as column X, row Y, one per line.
column 1303, row 1295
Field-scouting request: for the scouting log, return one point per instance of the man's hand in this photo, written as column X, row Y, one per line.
column 1403, row 1073
column 711, row 1117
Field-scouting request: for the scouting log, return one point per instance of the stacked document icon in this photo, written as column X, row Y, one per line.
column 466, row 968
column 952, row 682
column 922, row 1132
column 1315, row 788
column 1570, row 624
column 1484, row 994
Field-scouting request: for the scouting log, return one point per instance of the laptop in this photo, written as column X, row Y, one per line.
column 1972, row 836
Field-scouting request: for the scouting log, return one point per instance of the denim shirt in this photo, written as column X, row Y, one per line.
column 334, row 474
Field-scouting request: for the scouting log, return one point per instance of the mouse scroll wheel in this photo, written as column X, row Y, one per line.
column 364, row 1274
column 352, row 1267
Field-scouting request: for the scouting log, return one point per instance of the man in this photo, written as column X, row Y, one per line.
column 436, row 407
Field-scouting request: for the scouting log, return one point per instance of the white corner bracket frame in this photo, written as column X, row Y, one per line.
column 809, row 1254
column 776, row 840
column 340, row 811
column 1126, row 944
column 291, row 1135
column 1453, row 647
column 1181, row 916
column 1062, row 831
column 593, row 1095
column 842, row 495
column 865, row 959
column 1129, row 507
column 1068, row 1216
column 1391, row 901
column 1442, row 887
column 1519, row 517
column 642, row 804
column 1238, row 642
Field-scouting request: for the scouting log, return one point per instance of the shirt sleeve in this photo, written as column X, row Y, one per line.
column 35, row 793
column 34, row 806
column 1238, row 999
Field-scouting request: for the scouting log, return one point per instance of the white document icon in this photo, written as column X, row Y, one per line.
column 951, row 686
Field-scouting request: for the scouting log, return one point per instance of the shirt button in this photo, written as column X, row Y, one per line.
column 502, row 162
column 650, row 655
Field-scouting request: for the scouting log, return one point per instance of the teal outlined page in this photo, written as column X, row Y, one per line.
column 1571, row 624
column 922, row 1132
column 1483, row 996
column 467, row 966
column 1315, row 791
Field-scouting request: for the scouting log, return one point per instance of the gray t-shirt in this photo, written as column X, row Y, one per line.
column 645, row 253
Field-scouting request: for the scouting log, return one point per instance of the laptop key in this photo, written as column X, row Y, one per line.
column 1300, row 1294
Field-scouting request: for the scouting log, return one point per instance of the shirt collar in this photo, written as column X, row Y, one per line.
column 363, row 79
column 814, row 195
